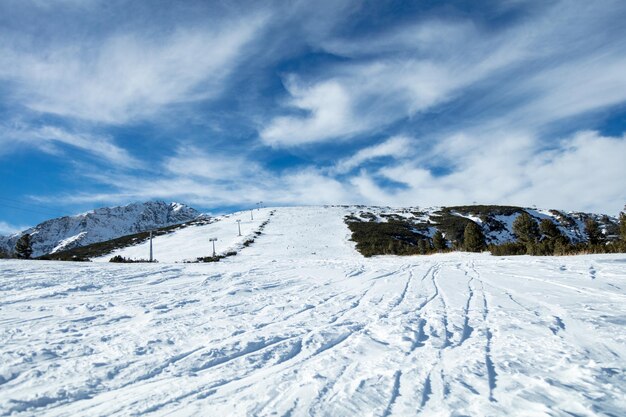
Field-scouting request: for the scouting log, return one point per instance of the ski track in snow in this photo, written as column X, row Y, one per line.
column 299, row 324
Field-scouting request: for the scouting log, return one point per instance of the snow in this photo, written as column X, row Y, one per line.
column 473, row 218
column 67, row 242
column 506, row 234
column 192, row 242
column 299, row 324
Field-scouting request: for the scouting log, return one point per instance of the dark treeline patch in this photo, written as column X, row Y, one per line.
column 545, row 248
column 507, row 248
column 484, row 211
column 487, row 214
column 215, row 258
column 119, row 259
column 531, row 233
column 394, row 237
column 453, row 227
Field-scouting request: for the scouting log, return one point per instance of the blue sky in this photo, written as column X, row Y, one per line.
column 223, row 104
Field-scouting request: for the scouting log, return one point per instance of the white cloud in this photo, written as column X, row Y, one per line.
column 514, row 82
column 395, row 147
column 7, row 229
column 351, row 99
column 124, row 76
column 295, row 187
column 308, row 187
column 583, row 173
column 329, row 114
column 587, row 84
column 588, row 169
column 190, row 161
column 560, row 62
column 213, row 180
column 47, row 139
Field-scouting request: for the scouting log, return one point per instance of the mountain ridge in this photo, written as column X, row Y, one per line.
column 101, row 224
column 63, row 235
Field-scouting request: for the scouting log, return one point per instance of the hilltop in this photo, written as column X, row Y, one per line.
column 375, row 230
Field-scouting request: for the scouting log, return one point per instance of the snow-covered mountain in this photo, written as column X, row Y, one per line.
column 99, row 225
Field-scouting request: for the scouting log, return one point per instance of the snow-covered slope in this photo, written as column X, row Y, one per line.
column 108, row 223
column 192, row 242
column 299, row 324
column 100, row 225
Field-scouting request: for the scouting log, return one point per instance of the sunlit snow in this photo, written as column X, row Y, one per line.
column 300, row 324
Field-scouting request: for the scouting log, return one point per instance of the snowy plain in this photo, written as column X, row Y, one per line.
column 300, row 324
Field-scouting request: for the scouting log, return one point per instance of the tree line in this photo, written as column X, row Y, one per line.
column 541, row 238
column 545, row 238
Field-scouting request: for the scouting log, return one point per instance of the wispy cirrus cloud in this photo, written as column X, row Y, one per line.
column 526, row 71
column 387, row 78
column 51, row 139
column 307, row 186
column 396, row 147
column 495, row 167
column 357, row 99
column 212, row 179
column 124, row 75
column 192, row 162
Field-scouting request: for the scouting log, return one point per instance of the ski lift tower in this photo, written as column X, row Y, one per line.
column 239, row 226
column 151, row 259
column 213, row 239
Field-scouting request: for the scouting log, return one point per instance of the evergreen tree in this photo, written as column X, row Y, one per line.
column 526, row 229
column 553, row 242
column 594, row 234
column 392, row 247
column 549, row 230
column 421, row 246
column 622, row 226
column 23, row 248
column 439, row 242
column 473, row 238
column 561, row 247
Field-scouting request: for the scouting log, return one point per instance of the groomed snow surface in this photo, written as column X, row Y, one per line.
column 299, row 324
column 192, row 242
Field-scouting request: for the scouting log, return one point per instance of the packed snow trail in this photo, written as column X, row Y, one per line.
column 299, row 324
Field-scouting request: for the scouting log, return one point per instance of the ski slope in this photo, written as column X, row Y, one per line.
column 192, row 242
column 299, row 324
